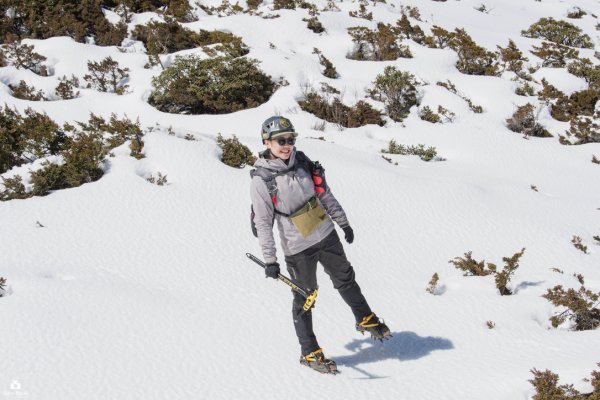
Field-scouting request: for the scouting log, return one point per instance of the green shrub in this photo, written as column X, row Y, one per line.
column 235, row 154
column 547, row 388
column 253, row 4
column 26, row 92
column 212, row 86
column 115, row 132
column 82, row 164
column 409, row 31
column 576, row 13
column 362, row 113
column 165, row 37
column 411, row 11
column 502, row 278
column 44, row 137
column 448, row 115
column 383, row 44
column 2, row 286
column 50, row 177
column 583, row 130
column 107, row 76
column 525, row 90
column 65, row 89
column 13, row 189
column 107, row 34
column 180, row 9
column 511, row 57
column 397, row 90
column 284, row 4
column 362, row 12
column 440, row 37
column 525, row 121
column 329, row 71
column 427, row 114
column 331, row 6
column 581, row 307
column 169, row 37
column 472, row 59
column 448, row 85
column 314, row 24
column 159, row 180
column 554, row 55
column 225, row 9
column 549, row 93
column 77, row 19
column 432, row 286
column 471, row 267
column 577, row 243
column 560, row 32
column 26, row 138
column 584, row 68
column 23, row 56
column 336, row 112
column 581, row 103
column 425, row 154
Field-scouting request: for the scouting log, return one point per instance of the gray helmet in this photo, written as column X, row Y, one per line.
column 276, row 126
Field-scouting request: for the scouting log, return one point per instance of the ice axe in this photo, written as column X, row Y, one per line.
column 307, row 294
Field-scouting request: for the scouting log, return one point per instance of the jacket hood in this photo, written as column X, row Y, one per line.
column 276, row 164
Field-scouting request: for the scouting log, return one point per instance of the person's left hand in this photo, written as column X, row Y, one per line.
column 348, row 234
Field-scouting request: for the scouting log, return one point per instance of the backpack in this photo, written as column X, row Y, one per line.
column 301, row 162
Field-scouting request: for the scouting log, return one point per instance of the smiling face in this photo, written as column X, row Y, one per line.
column 281, row 147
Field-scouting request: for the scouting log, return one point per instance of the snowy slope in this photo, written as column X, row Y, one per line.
column 137, row 291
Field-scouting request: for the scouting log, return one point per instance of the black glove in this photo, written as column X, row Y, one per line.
column 272, row 270
column 348, row 234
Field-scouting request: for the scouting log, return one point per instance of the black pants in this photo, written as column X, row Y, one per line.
column 303, row 269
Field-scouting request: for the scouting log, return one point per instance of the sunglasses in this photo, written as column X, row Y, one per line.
column 283, row 141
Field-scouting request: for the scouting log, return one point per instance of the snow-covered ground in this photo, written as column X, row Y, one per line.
column 130, row 290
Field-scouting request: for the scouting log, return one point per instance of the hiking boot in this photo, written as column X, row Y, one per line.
column 317, row 361
column 375, row 326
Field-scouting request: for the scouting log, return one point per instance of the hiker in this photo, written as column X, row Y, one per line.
column 288, row 188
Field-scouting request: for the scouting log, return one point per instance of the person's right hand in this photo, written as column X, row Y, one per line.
column 272, row 270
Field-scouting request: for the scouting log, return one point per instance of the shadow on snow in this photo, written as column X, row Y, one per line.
column 402, row 346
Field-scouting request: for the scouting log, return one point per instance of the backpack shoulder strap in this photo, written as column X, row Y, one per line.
column 268, row 178
column 302, row 161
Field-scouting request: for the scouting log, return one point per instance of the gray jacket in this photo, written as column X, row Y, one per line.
column 294, row 189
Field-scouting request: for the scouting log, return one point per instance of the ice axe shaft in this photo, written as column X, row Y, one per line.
column 307, row 294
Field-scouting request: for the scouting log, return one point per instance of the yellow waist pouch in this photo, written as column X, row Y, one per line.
column 309, row 217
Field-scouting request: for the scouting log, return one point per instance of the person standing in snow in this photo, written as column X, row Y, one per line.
column 288, row 188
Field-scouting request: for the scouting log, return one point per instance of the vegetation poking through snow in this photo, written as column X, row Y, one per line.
column 525, row 120
column 580, row 307
column 472, row 267
column 425, row 154
column 398, row 90
column 219, row 85
column 547, row 387
column 432, row 285
column 331, row 108
column 107, row 75
column 559, row 32
column 234, row 153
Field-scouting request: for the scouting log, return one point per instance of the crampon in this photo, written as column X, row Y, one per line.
column 376, row 327
column 317, row 361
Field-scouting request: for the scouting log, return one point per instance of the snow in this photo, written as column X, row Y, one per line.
column 137, row 291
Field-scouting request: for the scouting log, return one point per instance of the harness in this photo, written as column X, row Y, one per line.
column 301, row 162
